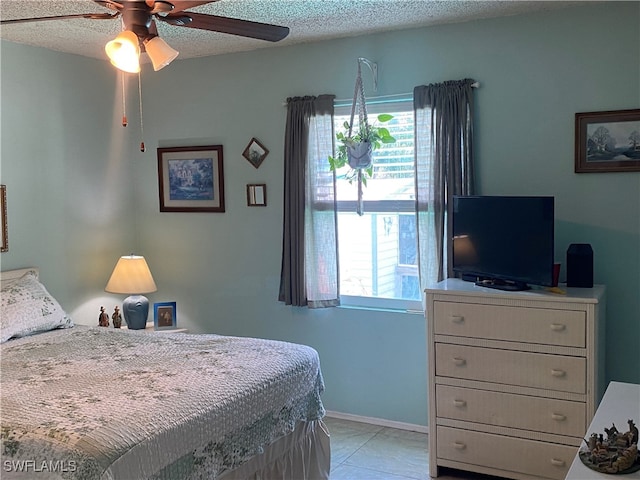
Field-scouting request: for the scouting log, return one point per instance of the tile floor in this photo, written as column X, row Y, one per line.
column 361, row 451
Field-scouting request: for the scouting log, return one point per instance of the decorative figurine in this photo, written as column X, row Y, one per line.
column 117, row 318
column 618, row 454
column 633, row 430
column 103, row 319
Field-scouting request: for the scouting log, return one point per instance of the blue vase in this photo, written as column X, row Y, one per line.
column 136, row 310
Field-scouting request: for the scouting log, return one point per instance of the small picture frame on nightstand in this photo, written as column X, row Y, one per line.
column 164, row 316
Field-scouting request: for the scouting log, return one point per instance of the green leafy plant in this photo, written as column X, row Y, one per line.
column 375, row 134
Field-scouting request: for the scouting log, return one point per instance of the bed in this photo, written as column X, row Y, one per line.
column 81, row 402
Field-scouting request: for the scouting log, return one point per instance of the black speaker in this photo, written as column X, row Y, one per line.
column 580, row 265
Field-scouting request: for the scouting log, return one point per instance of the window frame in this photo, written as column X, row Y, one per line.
column 375, row 107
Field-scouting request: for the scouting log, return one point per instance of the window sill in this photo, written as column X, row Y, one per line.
column 381, row 303
column 382, row 309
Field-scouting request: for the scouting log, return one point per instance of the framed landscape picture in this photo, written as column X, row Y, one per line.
column 608, row 141
column 190, row 179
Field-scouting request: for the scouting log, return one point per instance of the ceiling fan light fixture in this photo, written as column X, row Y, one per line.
column 160, row 53
column 124, row 52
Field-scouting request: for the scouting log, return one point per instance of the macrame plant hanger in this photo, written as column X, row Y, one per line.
column 360, row 154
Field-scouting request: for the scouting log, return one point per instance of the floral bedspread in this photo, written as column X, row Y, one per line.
column 100, row 403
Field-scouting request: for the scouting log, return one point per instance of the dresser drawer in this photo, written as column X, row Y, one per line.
column 539, row 370
column 560, row 417
column 517, row 324
column 530, row 457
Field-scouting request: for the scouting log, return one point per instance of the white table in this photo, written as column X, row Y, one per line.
column 620, row 403
column 151, row 328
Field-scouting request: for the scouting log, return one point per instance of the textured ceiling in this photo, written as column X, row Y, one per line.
column 308, row 20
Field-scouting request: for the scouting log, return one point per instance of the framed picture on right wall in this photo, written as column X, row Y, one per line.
column 607, row 141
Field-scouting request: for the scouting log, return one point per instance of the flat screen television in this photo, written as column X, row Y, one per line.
column 504, row 242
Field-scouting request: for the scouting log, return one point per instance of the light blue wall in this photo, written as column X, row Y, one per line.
column 536, row 71
column 66, row 168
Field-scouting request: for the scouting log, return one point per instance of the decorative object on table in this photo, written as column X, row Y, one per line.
column 608, row 141
column 617, row 454
column 103, row 319
column 131, row 276
column 356, row 149
column 255, row 152
column 4, row 244
column 190, row 179
column 116, row 317
column 257, row 195
column 164, row 316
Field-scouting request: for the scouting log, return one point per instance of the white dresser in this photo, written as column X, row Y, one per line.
column 514, row 377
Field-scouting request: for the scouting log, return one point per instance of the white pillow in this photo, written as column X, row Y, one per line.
column 28, row 308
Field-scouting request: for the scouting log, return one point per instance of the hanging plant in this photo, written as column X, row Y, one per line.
column 356, row 149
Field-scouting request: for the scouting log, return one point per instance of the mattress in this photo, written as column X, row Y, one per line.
column 101, row 403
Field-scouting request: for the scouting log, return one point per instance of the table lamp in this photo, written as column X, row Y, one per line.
column 132, row 276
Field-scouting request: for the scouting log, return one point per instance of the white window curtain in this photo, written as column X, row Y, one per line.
column 444, row 168
column 309, row 269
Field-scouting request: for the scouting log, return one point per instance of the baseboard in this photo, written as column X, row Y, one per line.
column 379, row 421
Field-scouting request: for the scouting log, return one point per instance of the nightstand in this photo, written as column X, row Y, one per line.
column 149, row 328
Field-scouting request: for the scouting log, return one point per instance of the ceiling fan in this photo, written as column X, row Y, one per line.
column 140, row 33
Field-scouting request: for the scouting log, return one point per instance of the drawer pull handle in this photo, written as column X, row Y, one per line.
column 457, row 318
column 459, row 361
column 558, row 327
column 558, row 373
column 559, row 417
column 459, row 445
column 460, row 403
column 557, row 462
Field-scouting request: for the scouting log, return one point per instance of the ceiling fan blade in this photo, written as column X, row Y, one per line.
column 233, row 26
column 91, row 16
column 180, row 5
column 153, row 29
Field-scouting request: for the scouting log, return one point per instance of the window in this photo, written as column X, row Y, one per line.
column 377, row 251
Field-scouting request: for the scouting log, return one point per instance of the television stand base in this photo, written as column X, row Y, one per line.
column 503, row 285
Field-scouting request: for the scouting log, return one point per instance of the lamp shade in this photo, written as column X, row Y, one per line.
column 160, row 53
column 131, row 275
column 124, row 51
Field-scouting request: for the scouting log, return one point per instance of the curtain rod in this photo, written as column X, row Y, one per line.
column 384, row 98
column 378, row 98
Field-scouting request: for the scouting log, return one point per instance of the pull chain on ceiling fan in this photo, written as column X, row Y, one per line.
column 140, row 33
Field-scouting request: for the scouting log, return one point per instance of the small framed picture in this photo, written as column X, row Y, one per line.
column 255, row 152
column 190, row 179
column 257, row 195
column 164, row 316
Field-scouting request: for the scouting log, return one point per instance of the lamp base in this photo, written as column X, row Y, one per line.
column 136, row 310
